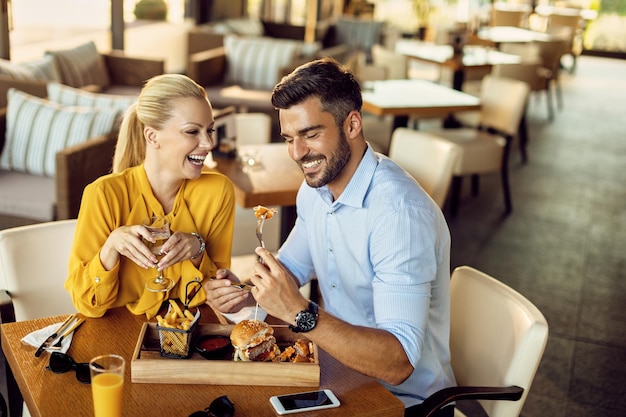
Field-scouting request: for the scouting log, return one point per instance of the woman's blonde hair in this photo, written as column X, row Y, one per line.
column 153, row 109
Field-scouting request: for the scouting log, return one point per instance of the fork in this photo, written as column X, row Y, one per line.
column 59, row 343
column 259, row 232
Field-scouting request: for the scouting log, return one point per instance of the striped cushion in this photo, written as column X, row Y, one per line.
column 256, row 62
column 37, row 129
column 81, row 66
column 42, row 69
column 70, row 96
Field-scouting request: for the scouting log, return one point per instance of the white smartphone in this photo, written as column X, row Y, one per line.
column 304, row 401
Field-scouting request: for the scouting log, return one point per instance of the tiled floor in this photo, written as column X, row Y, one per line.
column 564, row 245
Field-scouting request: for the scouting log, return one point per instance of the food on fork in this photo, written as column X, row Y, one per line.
column 254, row 341
column 261, row 210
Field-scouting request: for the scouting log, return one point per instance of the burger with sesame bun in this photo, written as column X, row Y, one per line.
column 254, row 340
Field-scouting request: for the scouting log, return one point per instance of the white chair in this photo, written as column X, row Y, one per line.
column 428, row 158
column 396, row 64
column 571, row 27
column 485, row 150
column 497, row 339
column 539, row 68
column 33, row 268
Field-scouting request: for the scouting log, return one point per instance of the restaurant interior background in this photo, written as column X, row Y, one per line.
column 572, row 267
column 35, row 23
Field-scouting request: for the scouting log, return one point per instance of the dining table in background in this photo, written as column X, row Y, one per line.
column 417, row 98
column 273, row 179
column 511, row 34
column 51, row 395
column 473, row 57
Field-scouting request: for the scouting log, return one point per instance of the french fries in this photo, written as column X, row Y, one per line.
column 174, row 330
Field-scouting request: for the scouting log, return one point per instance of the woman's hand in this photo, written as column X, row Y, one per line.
column 128, row 241
column 180, row 247
column 222, row 296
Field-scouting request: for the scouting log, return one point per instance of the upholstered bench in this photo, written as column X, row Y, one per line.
column 243, row 72
column 51, row 149
column 83, row 67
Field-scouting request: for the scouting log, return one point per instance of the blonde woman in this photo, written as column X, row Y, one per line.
column 157, row 171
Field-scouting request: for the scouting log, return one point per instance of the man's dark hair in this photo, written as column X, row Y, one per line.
column 335, row 85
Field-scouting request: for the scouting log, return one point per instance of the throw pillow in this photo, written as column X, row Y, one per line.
column 81, row 66
column 70, row 96
column 37, row 129
column 42, row 69
column 256, row 62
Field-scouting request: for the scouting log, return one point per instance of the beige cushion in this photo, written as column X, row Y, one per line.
column 81, row 66
column 256, row 62
column 37, row 129
column 42, row 69
column 27, row 196
column 70, row 96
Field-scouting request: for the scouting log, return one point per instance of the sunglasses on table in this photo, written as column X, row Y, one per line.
column 61, row 363
column 219, row 407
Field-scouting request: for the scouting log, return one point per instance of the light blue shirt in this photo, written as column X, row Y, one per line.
column 381, row 254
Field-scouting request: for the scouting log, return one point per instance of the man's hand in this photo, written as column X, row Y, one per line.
column 276, row 289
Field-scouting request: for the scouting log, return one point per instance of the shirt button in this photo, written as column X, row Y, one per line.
column 96, row 280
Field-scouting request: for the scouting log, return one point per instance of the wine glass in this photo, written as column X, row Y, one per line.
column 159, row 227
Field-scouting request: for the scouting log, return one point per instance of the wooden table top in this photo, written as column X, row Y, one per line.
column 474, row 56
column 415, row 97
column 273, row 182
column 52, row 395
column 512, row 34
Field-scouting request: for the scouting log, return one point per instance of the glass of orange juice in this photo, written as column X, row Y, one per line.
column 107, row 385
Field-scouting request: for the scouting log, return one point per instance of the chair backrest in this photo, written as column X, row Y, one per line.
column 528, row 72
column 428, row 158
column 253, row 128
column 396, row 64
column 497, row 337
column 503, row 101
column 34, row 266
column 502, row 17
column 529, row 52
column 550, row 53
column 573, row 21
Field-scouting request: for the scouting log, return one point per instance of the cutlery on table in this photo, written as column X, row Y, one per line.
column 54, row 335
column 59, row 343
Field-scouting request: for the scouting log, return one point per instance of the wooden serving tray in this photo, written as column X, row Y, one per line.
column 148, row 366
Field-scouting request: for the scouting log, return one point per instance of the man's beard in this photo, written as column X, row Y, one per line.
column 334, row 164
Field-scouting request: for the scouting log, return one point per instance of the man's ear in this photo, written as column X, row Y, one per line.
column 354, row 124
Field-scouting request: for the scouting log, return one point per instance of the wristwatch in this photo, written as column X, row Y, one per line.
column 306, row 320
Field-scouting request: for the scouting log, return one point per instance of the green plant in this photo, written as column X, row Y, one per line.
column 423, row 9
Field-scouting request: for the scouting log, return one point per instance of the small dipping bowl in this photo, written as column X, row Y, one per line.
column 214, row 347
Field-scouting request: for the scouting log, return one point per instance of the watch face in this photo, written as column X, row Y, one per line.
column 306, row 321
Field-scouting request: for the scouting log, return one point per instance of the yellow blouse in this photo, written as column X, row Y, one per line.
column 205, row 205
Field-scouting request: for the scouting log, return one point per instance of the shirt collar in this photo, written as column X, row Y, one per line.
column 359, row 184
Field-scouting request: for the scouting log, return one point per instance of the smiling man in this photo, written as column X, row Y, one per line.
column 376, row 242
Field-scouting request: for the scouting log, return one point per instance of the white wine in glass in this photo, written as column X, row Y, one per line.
column 159, row 227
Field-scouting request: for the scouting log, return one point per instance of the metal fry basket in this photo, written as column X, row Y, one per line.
column 176, row 343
